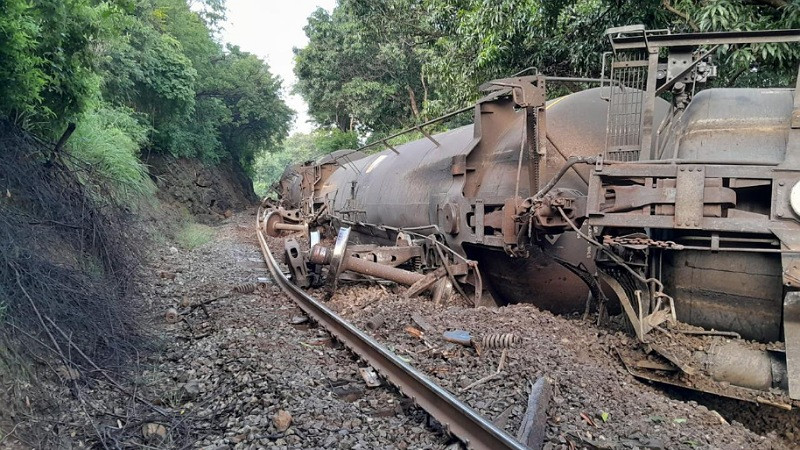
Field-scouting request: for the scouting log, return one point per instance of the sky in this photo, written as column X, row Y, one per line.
column 270, row 29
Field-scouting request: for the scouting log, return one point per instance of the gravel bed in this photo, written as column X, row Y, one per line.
column 244, row 373
column 596, row 403
column 234, row 374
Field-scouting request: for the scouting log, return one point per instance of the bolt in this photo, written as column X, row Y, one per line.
column 682, row 169
column 781, row 183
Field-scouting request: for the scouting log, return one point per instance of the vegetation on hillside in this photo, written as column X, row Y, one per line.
column 137, row 76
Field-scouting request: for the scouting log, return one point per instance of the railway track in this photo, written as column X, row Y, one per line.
column 455, row 416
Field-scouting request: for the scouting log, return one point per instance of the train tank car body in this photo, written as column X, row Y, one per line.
column 438, row 180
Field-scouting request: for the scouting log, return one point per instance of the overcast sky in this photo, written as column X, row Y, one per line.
column 269, row 29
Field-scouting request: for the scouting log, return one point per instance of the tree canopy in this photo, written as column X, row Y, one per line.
column 157, row 61
column 387, row 65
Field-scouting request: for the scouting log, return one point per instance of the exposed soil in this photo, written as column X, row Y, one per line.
column 208, row 193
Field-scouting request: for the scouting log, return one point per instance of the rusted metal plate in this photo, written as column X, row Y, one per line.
column 791, row 331
column 690, row 187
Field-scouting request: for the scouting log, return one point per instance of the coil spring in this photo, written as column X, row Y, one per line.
column 245, row 288
column 499, row 341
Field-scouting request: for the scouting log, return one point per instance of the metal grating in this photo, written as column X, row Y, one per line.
column 624, row 126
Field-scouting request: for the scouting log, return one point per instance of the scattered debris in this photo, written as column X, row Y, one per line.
column 154, row 433
column 376, row 322
column 298, row 320
column 588, row 419
column 414, row 332
column 505, row 340
column 246, row 288
column 172, row 315
column 369, row 376
column 422, row 323
column 532, row 428
column 458, row 337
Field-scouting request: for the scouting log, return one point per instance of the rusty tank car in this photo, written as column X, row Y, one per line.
column 674, row 205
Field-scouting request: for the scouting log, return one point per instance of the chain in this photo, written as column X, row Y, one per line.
column 640, row 242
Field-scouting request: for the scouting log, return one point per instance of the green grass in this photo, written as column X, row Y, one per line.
column 193, row 235
column 108, row 140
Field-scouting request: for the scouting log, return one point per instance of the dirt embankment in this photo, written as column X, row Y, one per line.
column 209, row 193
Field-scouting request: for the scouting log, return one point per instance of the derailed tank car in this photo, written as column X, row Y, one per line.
column 677, row 206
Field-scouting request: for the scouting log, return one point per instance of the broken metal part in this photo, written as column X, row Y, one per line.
column 498, row 341
column 340, row 259
column 461, row 337
column 369, row 376
column 296, row 261
column 791, row 329
column 376, row 322
column 532, row 428
column 737, row 364
column 631, row 360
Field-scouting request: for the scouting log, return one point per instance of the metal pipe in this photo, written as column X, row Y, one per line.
column 570, row 162
column 324, row 255
column 289, row 227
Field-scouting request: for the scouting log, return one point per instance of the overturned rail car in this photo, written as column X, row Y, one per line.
column 650, row 196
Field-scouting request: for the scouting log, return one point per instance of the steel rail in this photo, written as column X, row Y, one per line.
column 454, row 415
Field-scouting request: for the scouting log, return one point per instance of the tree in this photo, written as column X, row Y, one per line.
column 354, row 76
column 446, row 48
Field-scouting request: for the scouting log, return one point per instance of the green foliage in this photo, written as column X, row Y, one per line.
column 108, row 141
column 46, row 59
column 329, row 140
column 298, row 148
column 364, row 58
column 353, row 75
column 112, row 66
column 21, row 79
column 193, row 235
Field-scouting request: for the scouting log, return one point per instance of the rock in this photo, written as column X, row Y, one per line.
column 191, row 389
column 282, row 420
column 228, row 213
column 173, row 250
column 167, row 275
column 154, row 432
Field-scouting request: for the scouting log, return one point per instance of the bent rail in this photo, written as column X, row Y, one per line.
column 456, row 417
